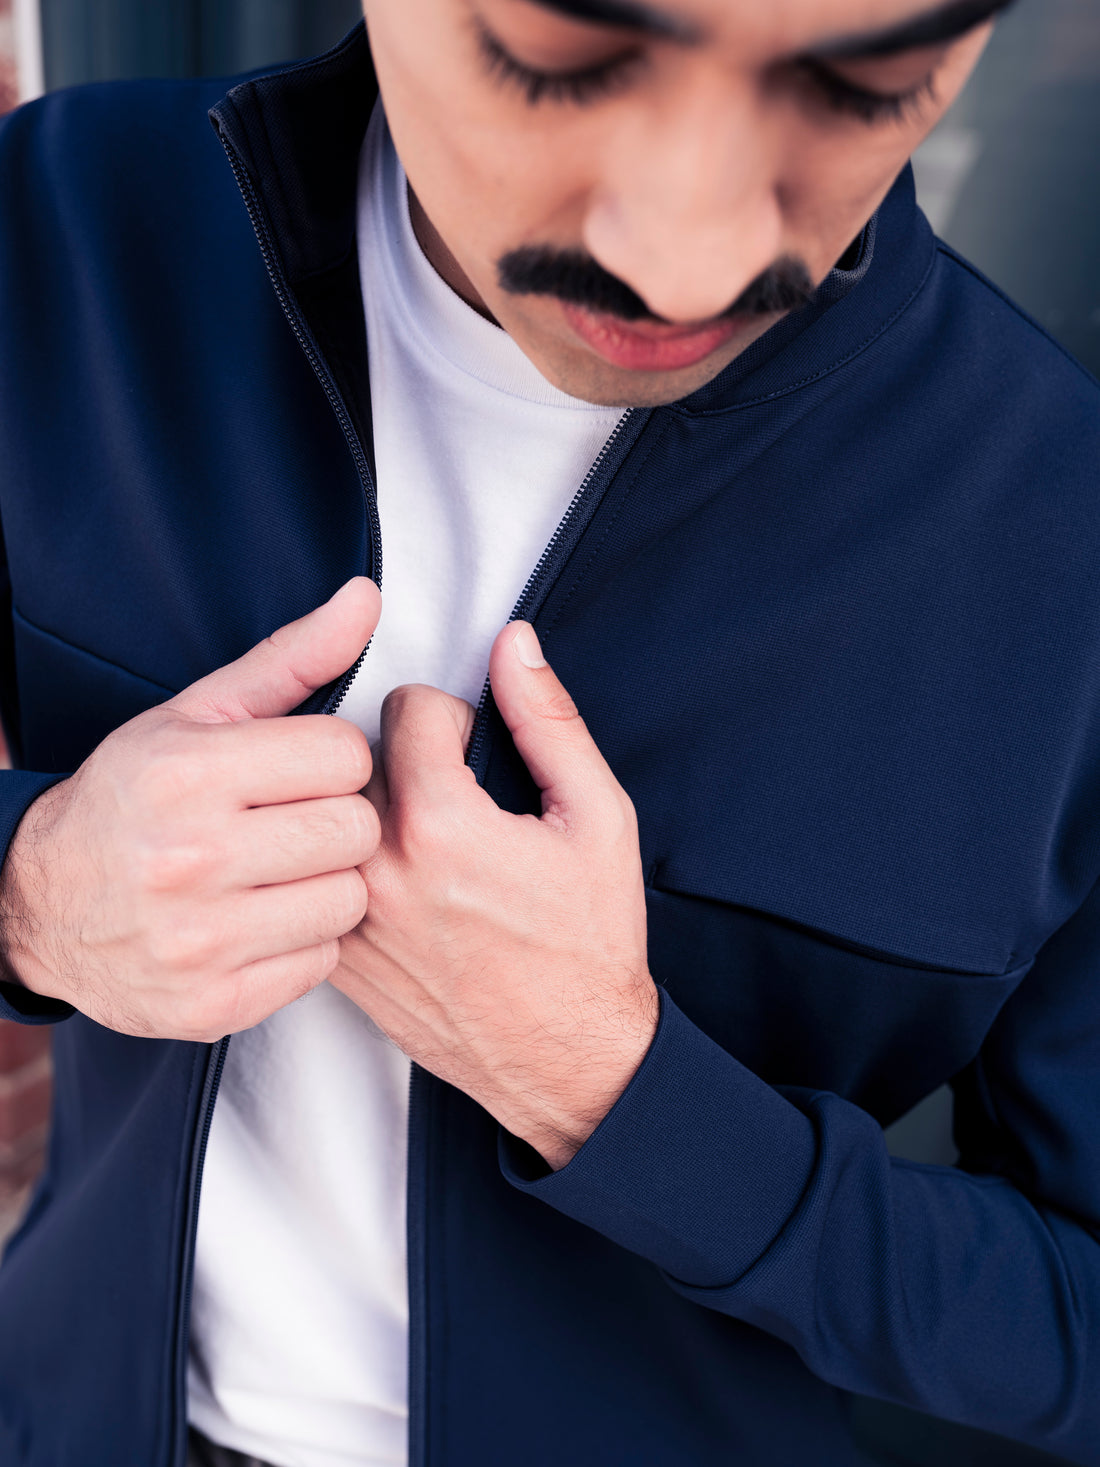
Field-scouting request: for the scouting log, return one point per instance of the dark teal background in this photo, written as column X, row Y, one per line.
column 98, row 40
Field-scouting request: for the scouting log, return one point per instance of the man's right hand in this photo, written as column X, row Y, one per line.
column 199, row 869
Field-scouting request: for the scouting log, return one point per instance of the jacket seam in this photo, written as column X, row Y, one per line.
column 87, row 652
column 840, row 944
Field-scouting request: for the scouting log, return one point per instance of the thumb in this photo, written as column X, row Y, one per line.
column 281, row 671
column 560, row 753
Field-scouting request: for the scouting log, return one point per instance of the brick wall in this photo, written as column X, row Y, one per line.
column 24, row 1053
column 25, row 1074
column 9, row 90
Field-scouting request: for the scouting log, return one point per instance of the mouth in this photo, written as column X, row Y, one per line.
column 649, row 346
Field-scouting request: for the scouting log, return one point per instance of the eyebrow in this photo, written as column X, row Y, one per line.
column 934, row 27
column 627, row 14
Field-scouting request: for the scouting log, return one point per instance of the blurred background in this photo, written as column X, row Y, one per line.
column 1011, row 178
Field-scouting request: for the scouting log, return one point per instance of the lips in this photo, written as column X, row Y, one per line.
column 648, row 346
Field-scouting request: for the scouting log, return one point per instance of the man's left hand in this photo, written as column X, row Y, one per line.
column 506, row 953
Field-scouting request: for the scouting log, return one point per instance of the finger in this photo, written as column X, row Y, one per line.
column 377, row 790
column 286, row 843
column 275, row 761
column 281, row 671
column 424, row 738
column 549, row 733
column 271, row 920
column 262, row 988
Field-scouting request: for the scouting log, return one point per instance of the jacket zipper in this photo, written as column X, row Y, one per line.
column 570, row 528
column 217, row 1052
column 324, row 376
column 215, row 1063
column 416, row 1234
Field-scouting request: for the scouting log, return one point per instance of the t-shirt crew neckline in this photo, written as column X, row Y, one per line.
column 461, row 335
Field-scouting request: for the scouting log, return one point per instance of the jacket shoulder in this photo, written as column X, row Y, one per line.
column 1013, row 343
column 109, row 185
column 85, row 115
column 108, row 149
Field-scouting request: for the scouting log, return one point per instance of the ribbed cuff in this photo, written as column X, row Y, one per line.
column 697, row 1166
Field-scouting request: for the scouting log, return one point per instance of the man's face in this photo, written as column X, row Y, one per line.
column 634, row 193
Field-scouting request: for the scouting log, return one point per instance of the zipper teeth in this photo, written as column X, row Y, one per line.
column 416, row 1242
column 211, row 1082
column 340, row 692
column 527, row 596
column 178, row 1448
column 293, row 316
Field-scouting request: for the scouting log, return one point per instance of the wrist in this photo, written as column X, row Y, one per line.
column 559, row 1126
column 22, row 883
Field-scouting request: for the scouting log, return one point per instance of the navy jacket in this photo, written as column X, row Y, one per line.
column 834, row 621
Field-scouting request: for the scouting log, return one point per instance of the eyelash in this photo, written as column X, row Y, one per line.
column 578, row 87
column 594, row 82
column 869, row 107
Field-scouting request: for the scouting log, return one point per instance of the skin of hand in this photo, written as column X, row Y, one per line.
column 506, row 953
column 198, row 870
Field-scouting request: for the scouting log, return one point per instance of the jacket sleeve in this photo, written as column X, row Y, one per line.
column 18, row 789
column 969, row 1292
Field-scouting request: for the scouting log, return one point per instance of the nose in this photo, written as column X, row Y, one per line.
column 686, row 209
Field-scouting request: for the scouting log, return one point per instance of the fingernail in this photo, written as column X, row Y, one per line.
column 344, row 588
column 526, row 646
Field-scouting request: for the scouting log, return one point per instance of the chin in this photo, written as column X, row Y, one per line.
column 583, row 375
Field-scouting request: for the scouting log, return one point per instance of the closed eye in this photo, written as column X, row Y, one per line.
column 869, row 106
column 585, row 84
column 588, row 84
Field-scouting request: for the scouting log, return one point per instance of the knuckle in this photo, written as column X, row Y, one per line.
column 171, row 772
column 326, row 959
column 365, row 831
column 557, row 706
column 418, row 833
column 165, row 868
column 349, row 901
column 204, row 1017
column 405, row 701
column 183, row 946
column 626, row 806
column 395, row 700
column 159, row 780
column 351, row 751
column 619, row 820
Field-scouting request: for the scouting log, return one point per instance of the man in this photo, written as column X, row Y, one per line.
column 621, row 322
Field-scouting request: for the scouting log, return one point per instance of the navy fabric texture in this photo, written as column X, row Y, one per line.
column 833, row 620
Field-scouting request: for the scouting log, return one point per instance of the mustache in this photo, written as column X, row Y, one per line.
column 579, row 280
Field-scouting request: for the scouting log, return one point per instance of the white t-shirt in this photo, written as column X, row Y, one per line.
column 299, row 1335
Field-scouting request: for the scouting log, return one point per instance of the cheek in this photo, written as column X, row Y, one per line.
column 831, row 182
column 835, row 177
column 488, row 176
